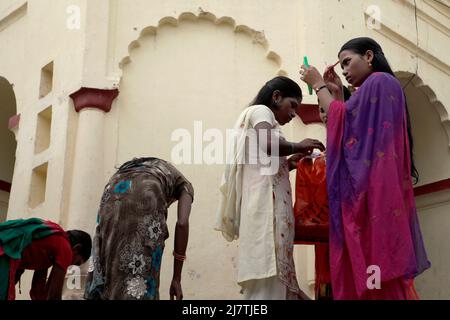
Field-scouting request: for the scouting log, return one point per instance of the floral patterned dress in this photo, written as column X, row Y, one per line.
column 285, row 229
column 131, row 230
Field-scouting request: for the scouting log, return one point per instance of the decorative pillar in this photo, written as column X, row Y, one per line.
column 87, row 176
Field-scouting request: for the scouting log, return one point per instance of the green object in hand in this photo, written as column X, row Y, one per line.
column 305, row 62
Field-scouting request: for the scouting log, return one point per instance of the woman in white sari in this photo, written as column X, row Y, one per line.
column 256, row 200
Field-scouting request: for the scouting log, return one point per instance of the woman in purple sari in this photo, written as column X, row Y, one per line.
column 374, row 228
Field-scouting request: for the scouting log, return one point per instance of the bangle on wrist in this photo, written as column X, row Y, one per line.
column 320, row 88
column 178, row 257
column 292, row 148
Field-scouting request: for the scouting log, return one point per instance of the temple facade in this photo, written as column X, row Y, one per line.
column 86, row 85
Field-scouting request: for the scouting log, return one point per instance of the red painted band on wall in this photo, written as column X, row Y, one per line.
column 5, row 186
column 309, row 113
column 432, row 187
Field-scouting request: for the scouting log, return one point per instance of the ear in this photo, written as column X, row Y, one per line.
column 76, row 248
column 276, row 96
column 369, row 56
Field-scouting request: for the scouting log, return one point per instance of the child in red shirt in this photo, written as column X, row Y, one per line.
column 57, row 250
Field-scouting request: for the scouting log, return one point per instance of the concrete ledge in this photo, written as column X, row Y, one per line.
column 13, row 13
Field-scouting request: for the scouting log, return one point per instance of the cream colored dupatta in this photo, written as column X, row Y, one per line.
column 228, row 214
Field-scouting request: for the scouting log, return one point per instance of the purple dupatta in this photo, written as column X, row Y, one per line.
column 373, row 218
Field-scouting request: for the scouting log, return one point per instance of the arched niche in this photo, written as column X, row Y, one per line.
column 193, row 73
column 430, row 127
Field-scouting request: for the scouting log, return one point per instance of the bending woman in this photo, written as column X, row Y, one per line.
column 37, row 244
column 374, row 228
column 131, row 231
column 256, row 202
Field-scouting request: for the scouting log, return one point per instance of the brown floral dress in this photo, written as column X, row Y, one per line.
column 131, row 230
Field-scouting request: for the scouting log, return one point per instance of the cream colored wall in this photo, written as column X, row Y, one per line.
column 431, row 143
column 432, row 158
column 229, row 75
column 190, row 75
column 34, row 37
column 39, row 44
column 238, row 84
column 434, row 217
column 338, row 21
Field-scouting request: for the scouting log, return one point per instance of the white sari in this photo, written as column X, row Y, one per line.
column 257, row 209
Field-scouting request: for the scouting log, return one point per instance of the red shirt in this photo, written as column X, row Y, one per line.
column 41, row 254
column 44, row 253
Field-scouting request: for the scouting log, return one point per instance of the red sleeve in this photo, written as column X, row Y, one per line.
column 62, row 253
column 46, row 252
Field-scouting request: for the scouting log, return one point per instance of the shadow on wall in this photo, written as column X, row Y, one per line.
column 7, row 144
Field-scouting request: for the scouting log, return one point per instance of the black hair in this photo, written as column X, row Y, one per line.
column 83, row 239
column 347, row 93
column 287, row 87
column 362, row 45
column 380, row 64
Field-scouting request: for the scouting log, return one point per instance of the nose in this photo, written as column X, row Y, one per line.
column 345, row 72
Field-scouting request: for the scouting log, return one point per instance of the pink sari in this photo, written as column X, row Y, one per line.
column 373, row 218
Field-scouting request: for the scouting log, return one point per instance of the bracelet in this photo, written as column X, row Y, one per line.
column 178, row 257
column 320, row 88
column 292, row 147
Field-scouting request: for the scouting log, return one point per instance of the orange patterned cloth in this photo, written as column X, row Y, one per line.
column 311, row 202
column 311, row 217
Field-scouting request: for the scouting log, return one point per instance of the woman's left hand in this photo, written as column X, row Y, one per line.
column 295, row 158
column 311, row 76
column 175, row 290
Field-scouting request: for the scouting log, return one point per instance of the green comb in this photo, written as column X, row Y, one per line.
column 305, row 62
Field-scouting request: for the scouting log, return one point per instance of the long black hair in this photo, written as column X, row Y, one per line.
column 287, row 87
column 380, row 64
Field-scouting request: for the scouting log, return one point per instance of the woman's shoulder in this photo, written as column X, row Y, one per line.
column 259, row 107
column 382, row 78
column 260, row 113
